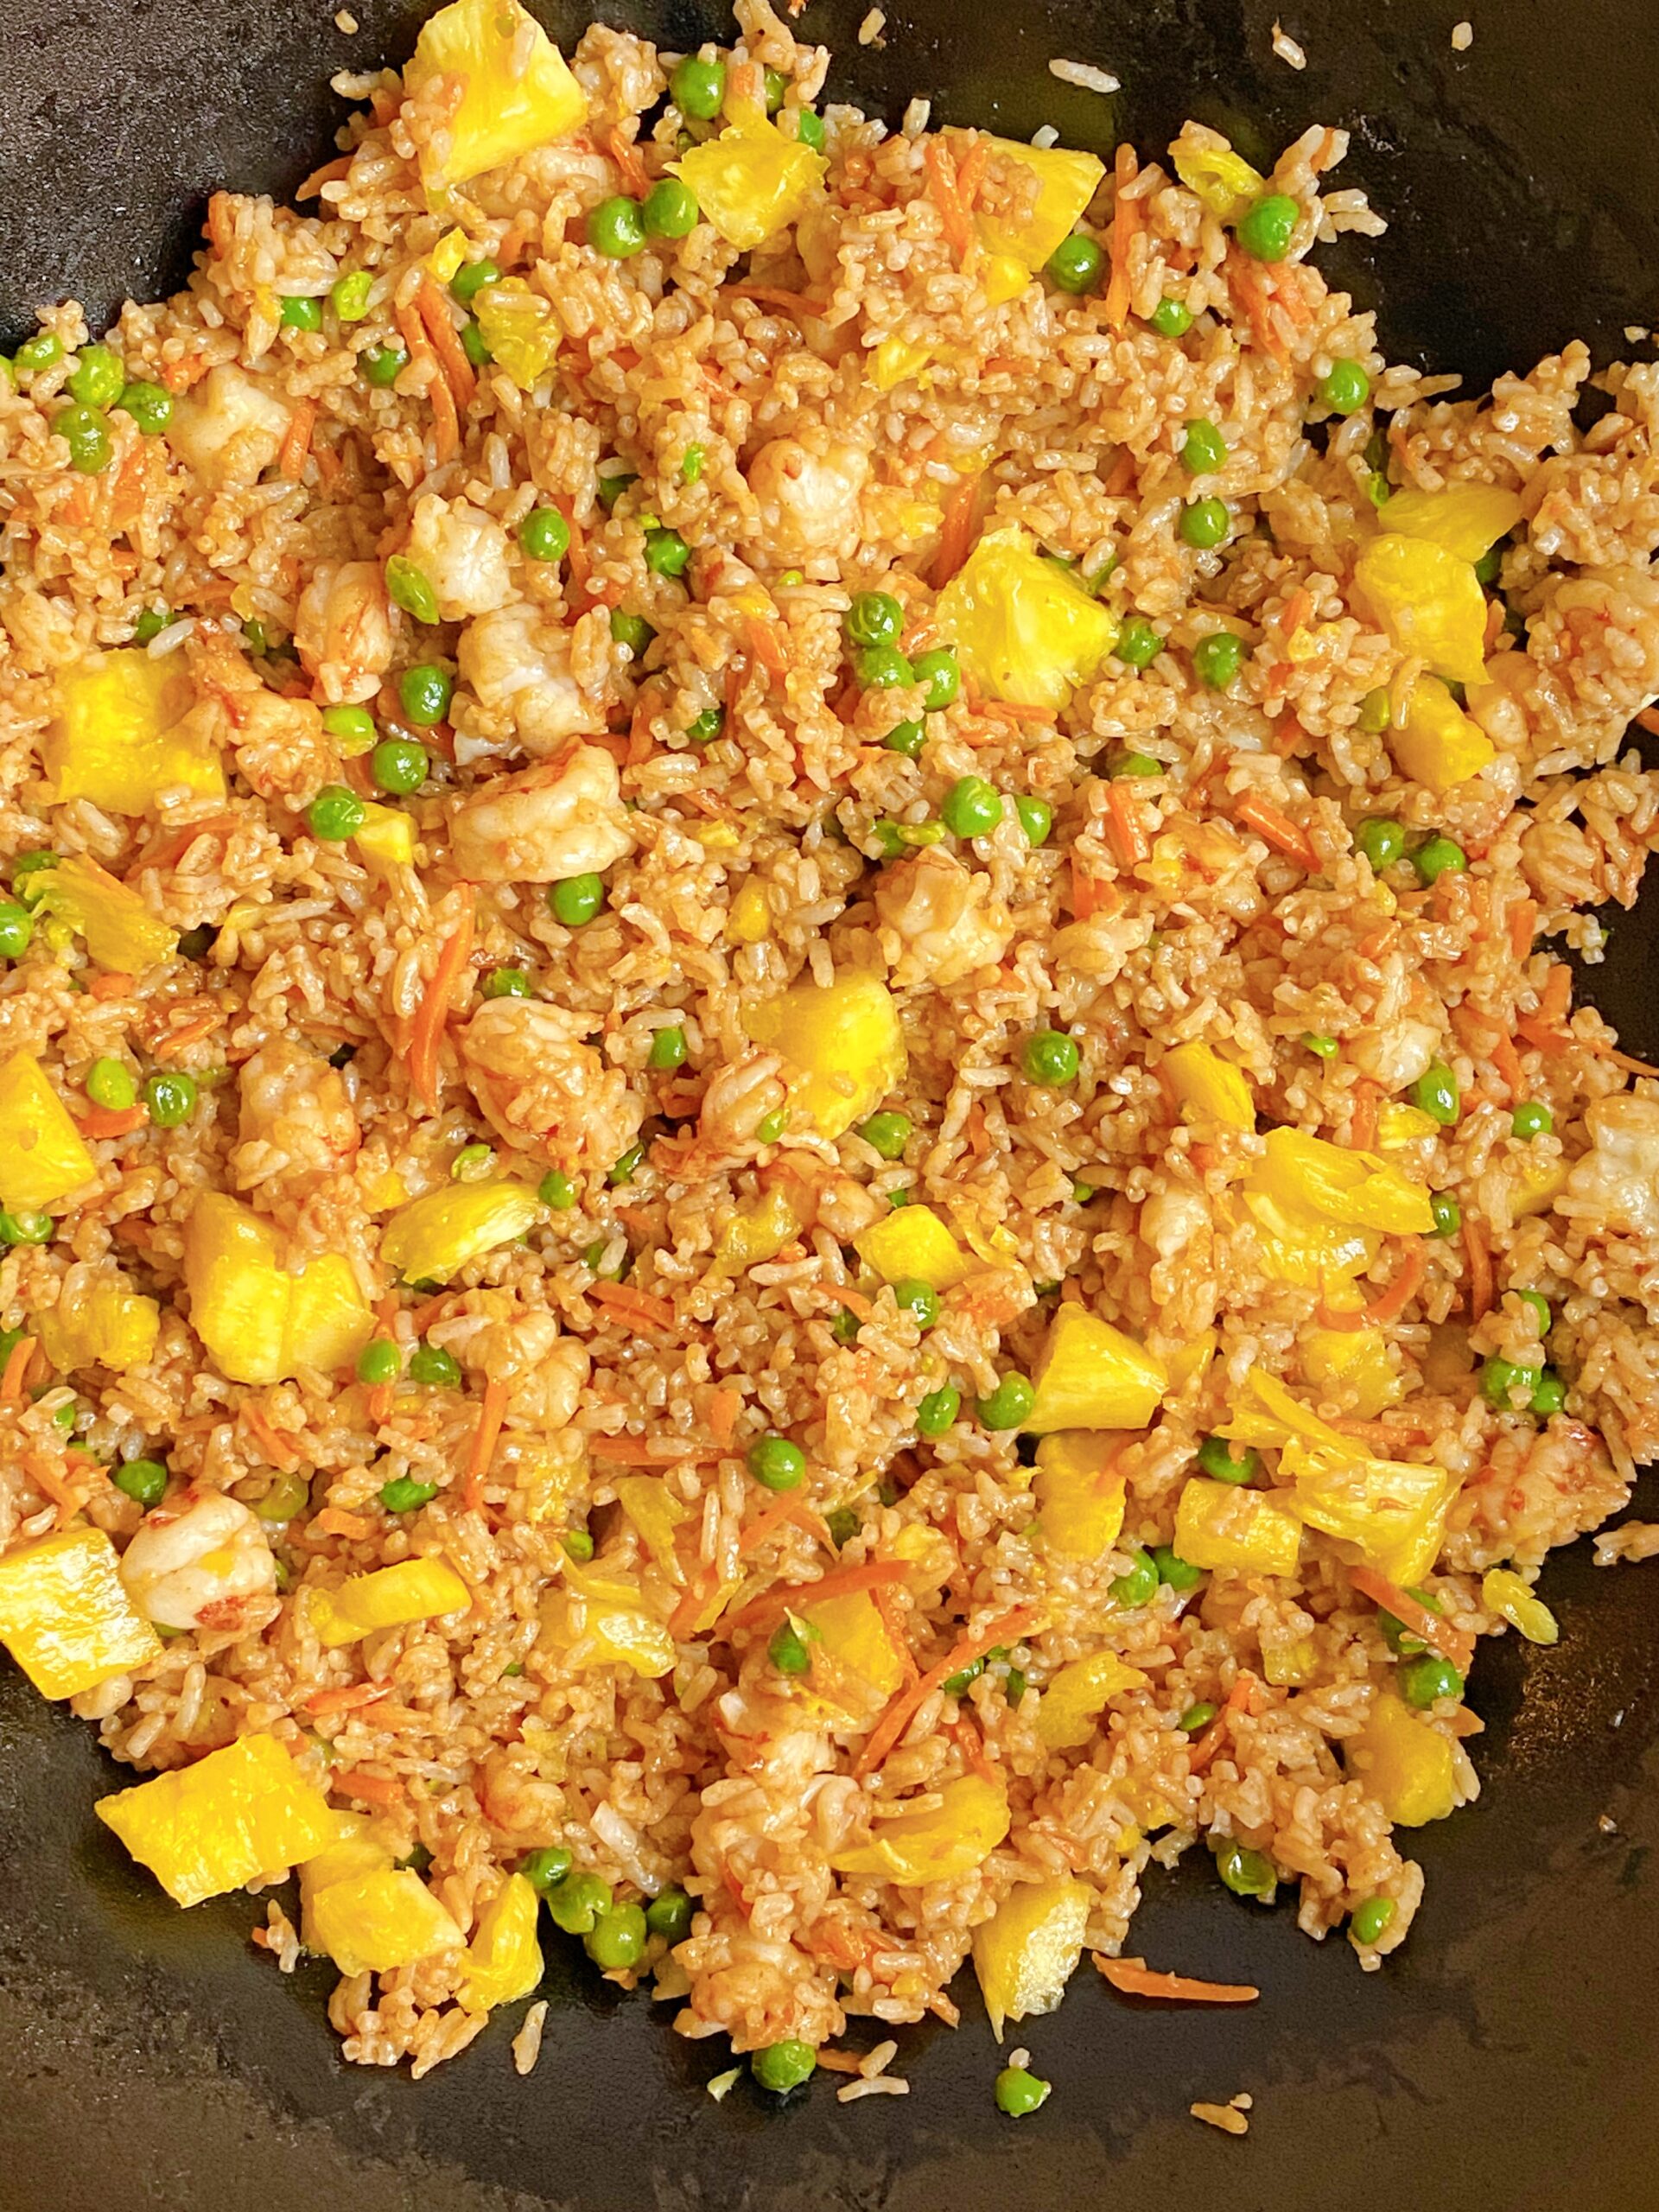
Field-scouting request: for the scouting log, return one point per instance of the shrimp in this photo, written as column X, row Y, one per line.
column 1615, row 1185
column 199, row 1561
column 948, row 918
column 808, row 491
column 1175, row 1223
column 230, row 429
column 342, row 630
column 544, row 1090
column 298, row 1123
column 278, row 744
column 517, row 662
column 462, row 553
column 564, row 817
column 544, row 1371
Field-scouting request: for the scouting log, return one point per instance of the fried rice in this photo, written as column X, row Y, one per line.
column 672, row 1407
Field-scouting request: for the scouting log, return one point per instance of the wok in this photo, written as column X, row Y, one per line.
column 1504, row 2060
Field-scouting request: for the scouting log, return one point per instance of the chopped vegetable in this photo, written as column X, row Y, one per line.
column 843, row 1046
column 42, row 1158
column 1208, row 1087
column 65, row 1614
column 1080, row 1496
column 1029, row 1950
column 1071, row 1705
column 1354, row 1361
column 1135, row 1978
column 386, row 834
column 517, row 91
column 1406, row 1763
column 433, row 1237
column 523, row 334
column 1392, row 1510
column 1510, row 1595
column 1323, row 1209
column 1066, row 180
column 914, row 1244
column 1025, row 631
column 414, row 1589
column 1219, row 1525
column 1091, row 1376
column 1466, row 519
column 120, row 931
column 1428, row 602
column 118, row 740
column 850, row 1631
column 99, row 1320
column 207, row 1829
column 655, row 1512
column 954, row 1835
column 1438, row 745
column 503, row 1961
column 1223, row 180
column 260, row 1322
column 752, row 181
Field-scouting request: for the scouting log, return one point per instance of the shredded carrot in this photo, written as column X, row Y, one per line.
column 335, row 1521
column 943, row 189
column 971, row 1744
column 1124, row 833
column 1237, row 1700
column 765, row 646
column 346, row 1697
column 1015, row 710
column 634, row 1304
column 1390, row 1304
column 296, row 441
column 723, row 1408
column 1128, row 218
column 630, row 164
column 1649, row 720
column 67, row 1496
column 371, row 1788
column 1433, row 1629
column 1090, row 894
column 446, row 424
column 274, row 1446
column 330, row 173
column 1134, row 1978
column 1276, row 828
column 112, row 1121
column 490, row 1416
column 840, row 1582
column 1480, row 1266
column 1523, row 924
column 426, row 1035
column 1506, row 1061
column 1362, row 1132
column 1628, row 1061
column 179, row 376
column 646, row 1450
column 970, row 174
column 906, row 1703
column 188, row 1033
column 114, row 983
column 446, row 343
column 958, row 527
column 1555, row 1001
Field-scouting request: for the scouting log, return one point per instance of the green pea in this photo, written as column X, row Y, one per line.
column 907, row 739
column 777, row 1463
column 941, row 672
column 544, row 535
column 545, row 1868
column 87, row 433
column 24, row 1226
column 1081, row 1192
column 171, row 1099
column 1140, row 1586
column 405, row 1494
column 617, row 1938
column 808, row 129
column 1383, row 840
column 150, row 623
column 349, row 295
column 787, row 1651
column 1345, row 387
column 917, row 1299
column 576, row 1902
column 1265, row 232
column 1531, row 1118
column 971, row 808
column 110, row 1083
column 1204, row 450
column 352, row 729
column 1009, row 1405
column 670, row 1914
column 703, row 728
column 1538, row 1306
column 630, row 630
column 887, row 1134
column 616, row 227
column 1217, row 659
column 1205, row 524
column 398, row 765
column 1436, row 1094
column 506, row 984
column 1428, row 1677
column 667, row 1049
column 1324, row 1048
column 1196, row 1717
column 577, row 900
column 301, row 314
column 1448, row 1214
column 556, row 1190
column 670, row 209
column 17, row 929
column 1134, row 764
column 1075, row 264
column 938, row 1411
column 578, row 1545
column 1373, row 1919
column 335, row 814
column 1138, row 644
column 97, row 379
column 609, row 488
column 1376, row 712
column 882, row 668
column 776, row 87
column 435, row 1367
column 1246, row 1873
column 142, row 1480
column 843, row 1525
column 956, row 1684
column 43, row 351
column 1036, row 818
column 781, row 2066
column 379, row 1362
column 1049, row 1057
column 1171, row 318
column 1018, row 2091
column 473, row 277
column 667, row 553
column 1550, row 1396
column 771, row 1126
column 407, row 588
column 1501, row 1379
column 424, row 692
column 1437, row 856
column 1378, row 489
column 1179, row 1573
column 382, row 365
column 474, row 344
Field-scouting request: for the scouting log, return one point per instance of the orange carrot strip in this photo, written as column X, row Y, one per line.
column 1134, row 1978
column 840, row 1582
column 630, row 164
column 1363, row 1127
column 1124, row 833
column 296, row 440
column 1451, row 1643
column 275, row 1447
column 1480, row 1266
column 1393, row 1302
column 1120, row 478
column 634, row 1304
column 1523, row 923
column 446, row 343
column 330, row 173
column 1649, row 720
column 906, row 1703
column 1555, row 1001
column 958, row 527
column 335, row 1521
column 371, row 1788
column 683, row 1619
column 1090, row 893
column 1237, row 1701
column 942, row 190
column 1276, row 828
column 490, row 1416
column 1506, row 1061
column 1128, row 216
column 970, row 174
column 883, row 1600
column 723, row 1408
column 114, row 983
column 446, row 425
column 1631, row 1065
column 112, row 1121
column 765, row 646
column 428, row 1033
column 188, row 1033
column 968, row 1741
column 346, row 1697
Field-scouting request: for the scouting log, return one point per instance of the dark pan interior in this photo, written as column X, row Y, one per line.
column 1504, row 2062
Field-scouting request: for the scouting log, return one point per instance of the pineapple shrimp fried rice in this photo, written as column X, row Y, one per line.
column 793, row 1131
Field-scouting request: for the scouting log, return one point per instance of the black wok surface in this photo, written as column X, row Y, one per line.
column 1505, row 2060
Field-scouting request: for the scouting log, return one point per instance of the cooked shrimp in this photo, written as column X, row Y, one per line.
column 1615, row 1185
column 462, row 553
column 808, row 489
column 517, row 662
column 564, row 817
column 278, row 744
column 297, row 1122
column 1175, row 1223
column 947, row 917
column 199, row 1561
column 342, row 631
column 1396, row 1053
column 544, row 1090
column 523, row 1347
column 739, row 1098
column 230, row 429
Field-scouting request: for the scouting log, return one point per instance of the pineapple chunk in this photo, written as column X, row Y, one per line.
column 895, row 360
column 1392, row 1510
column 1066, row 180
column 1192, row 1361
column 99, row 1320
column 748, row 919
column 842, row 1046
column 355, row 1850
column 434, row 1237
column 213, row 1827
column 1219, row 1525
column 116, row 739
column 1080, row 1499
column 414, row 1589
column 600, row 1621
column 517, row 91
column 751, row 182
column 1427, row 601
column 914, row 1245
column 1322, row 1210
column 1223, row 180
column 370, row 1922
column 1353, row 1361
column 655, row 1513
column 503, row 1961
column 756, row 1232
column 522, row 330
column 42, row 1158
column 260, row 1323
column 1467, row 519
column 1405, row 1762
column 1091, row 1376
column 386, row 833
column 1071, row 1707
column 1513, row 1598
column 955, row 1836
column 65, row 1616
column 1027, row 1951
column 1209, row 1088
column 327, row 1322
column 120, row 931
column 851, row 1631
column 1025, row 631
column 1437, row 746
